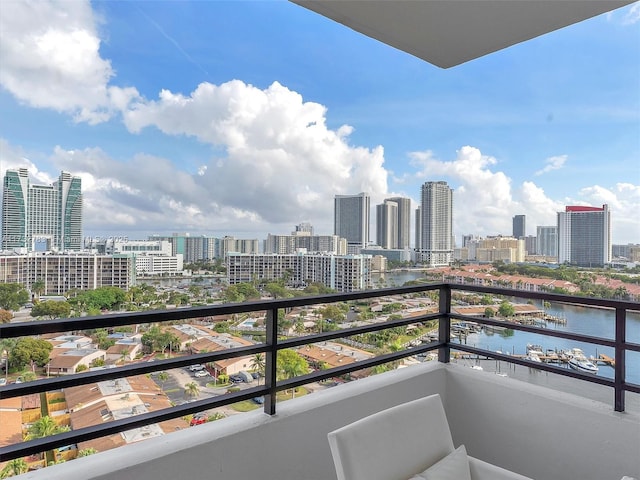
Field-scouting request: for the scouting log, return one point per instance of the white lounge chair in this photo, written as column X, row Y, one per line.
column 405, row 441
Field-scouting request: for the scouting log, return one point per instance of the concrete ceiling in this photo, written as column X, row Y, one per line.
column 450, row 32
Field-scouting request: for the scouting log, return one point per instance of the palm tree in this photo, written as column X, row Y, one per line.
column 258, row 363
column 192, row 390
column 45, row 427
column 14, row 467
column 38, row 287
column 163, row 377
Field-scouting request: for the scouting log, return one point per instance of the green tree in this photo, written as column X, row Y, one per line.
column 506, row 309
column 14, row 467
column 38, row 287
column 51, row 309
column 81, row 368
column 191, row 390
column 248, row 291
column 276, row 290
column 291, row 364
column 85, row 452
column 12, row 296
column 45, row 427
column 259, row 364
column 162, row 377
column 30, row 351
column 489, row 312
column 29, row 377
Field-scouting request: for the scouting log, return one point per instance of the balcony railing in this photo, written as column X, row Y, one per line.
column 273, row 344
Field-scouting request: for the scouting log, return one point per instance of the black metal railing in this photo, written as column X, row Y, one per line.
column 274, row 343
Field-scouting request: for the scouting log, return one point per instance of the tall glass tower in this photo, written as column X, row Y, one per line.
column 436, row 224
column 351, row 220
column 41, row 217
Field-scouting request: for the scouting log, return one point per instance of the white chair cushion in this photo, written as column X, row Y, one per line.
column 393, row 444
column 454, row 466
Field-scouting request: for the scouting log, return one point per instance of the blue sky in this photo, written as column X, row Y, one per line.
column 246, row 118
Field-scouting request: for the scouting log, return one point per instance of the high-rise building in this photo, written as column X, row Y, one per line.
column 584, row 236
column 436, row 224
column 41, row 217
column 351, row 220
column 387, row 224
column 519, row 226
column 404, row 220
column 304, row 228
column 418, row 231
column 547, row 243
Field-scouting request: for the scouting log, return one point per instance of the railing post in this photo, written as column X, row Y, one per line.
column 444, row 323
column 270, row 361
column 620, row 354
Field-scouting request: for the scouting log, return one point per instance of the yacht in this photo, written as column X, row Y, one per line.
column 582, row 364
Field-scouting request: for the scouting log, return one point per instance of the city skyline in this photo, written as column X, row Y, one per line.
column 177, row 121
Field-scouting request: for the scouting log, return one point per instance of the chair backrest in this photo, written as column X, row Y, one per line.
column 393, row 444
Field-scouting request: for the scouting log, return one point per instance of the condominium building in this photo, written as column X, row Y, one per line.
column 436, row 224
column 63, row 272
column 547, row 241
column 519, row 226
column 288, row 244
column 351, row 219
column 404, row 221
column 344, row 273
column 41, row 217
column 387, row 224
column 584, row 236
column 192, row 248
column 507, row 249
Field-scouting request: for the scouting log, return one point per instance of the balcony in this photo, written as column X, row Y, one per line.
column 544, row 433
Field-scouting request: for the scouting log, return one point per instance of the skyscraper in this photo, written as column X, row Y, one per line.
column 547, row 241
column 41, row 217
column 519, row 226
column 584, row 236
column 404, row 221
column 387, row 224
column 351, row 219
column 436, row 224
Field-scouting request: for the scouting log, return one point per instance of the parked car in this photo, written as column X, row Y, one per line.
column 236, row 378
column 198, row 420
column 196, row 368
column 201, row 373
column 258, row 400
column 3, row 381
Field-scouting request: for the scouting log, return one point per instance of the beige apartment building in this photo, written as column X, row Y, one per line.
column 61, row 273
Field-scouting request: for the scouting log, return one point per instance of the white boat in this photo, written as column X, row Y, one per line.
column 533, row 356
column 582, row 364
column 535, row 349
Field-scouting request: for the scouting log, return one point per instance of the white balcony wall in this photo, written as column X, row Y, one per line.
column 538, row 432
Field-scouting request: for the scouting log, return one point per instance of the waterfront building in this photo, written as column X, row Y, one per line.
column 304, row 227
column 41, row 217
column 519, row 226
column 404, row 221
column 584, row 236
column 507, row 249
column 351, row 220
column 344, row 273
column 63, row 272
column 547, row 241
column 436, row 224
column 192, row 248
column 393, row 254
column 387, row 224
column 418, row 230
column 288, row 244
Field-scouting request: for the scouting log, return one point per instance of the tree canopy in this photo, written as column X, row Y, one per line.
column 28, row 350
column 12, row 296
column 51, row 309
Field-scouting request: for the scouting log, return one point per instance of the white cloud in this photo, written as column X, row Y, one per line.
column 281, row 158
column 485, row 201
column 553, row 163
column 51, row 59
column 633, row 15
